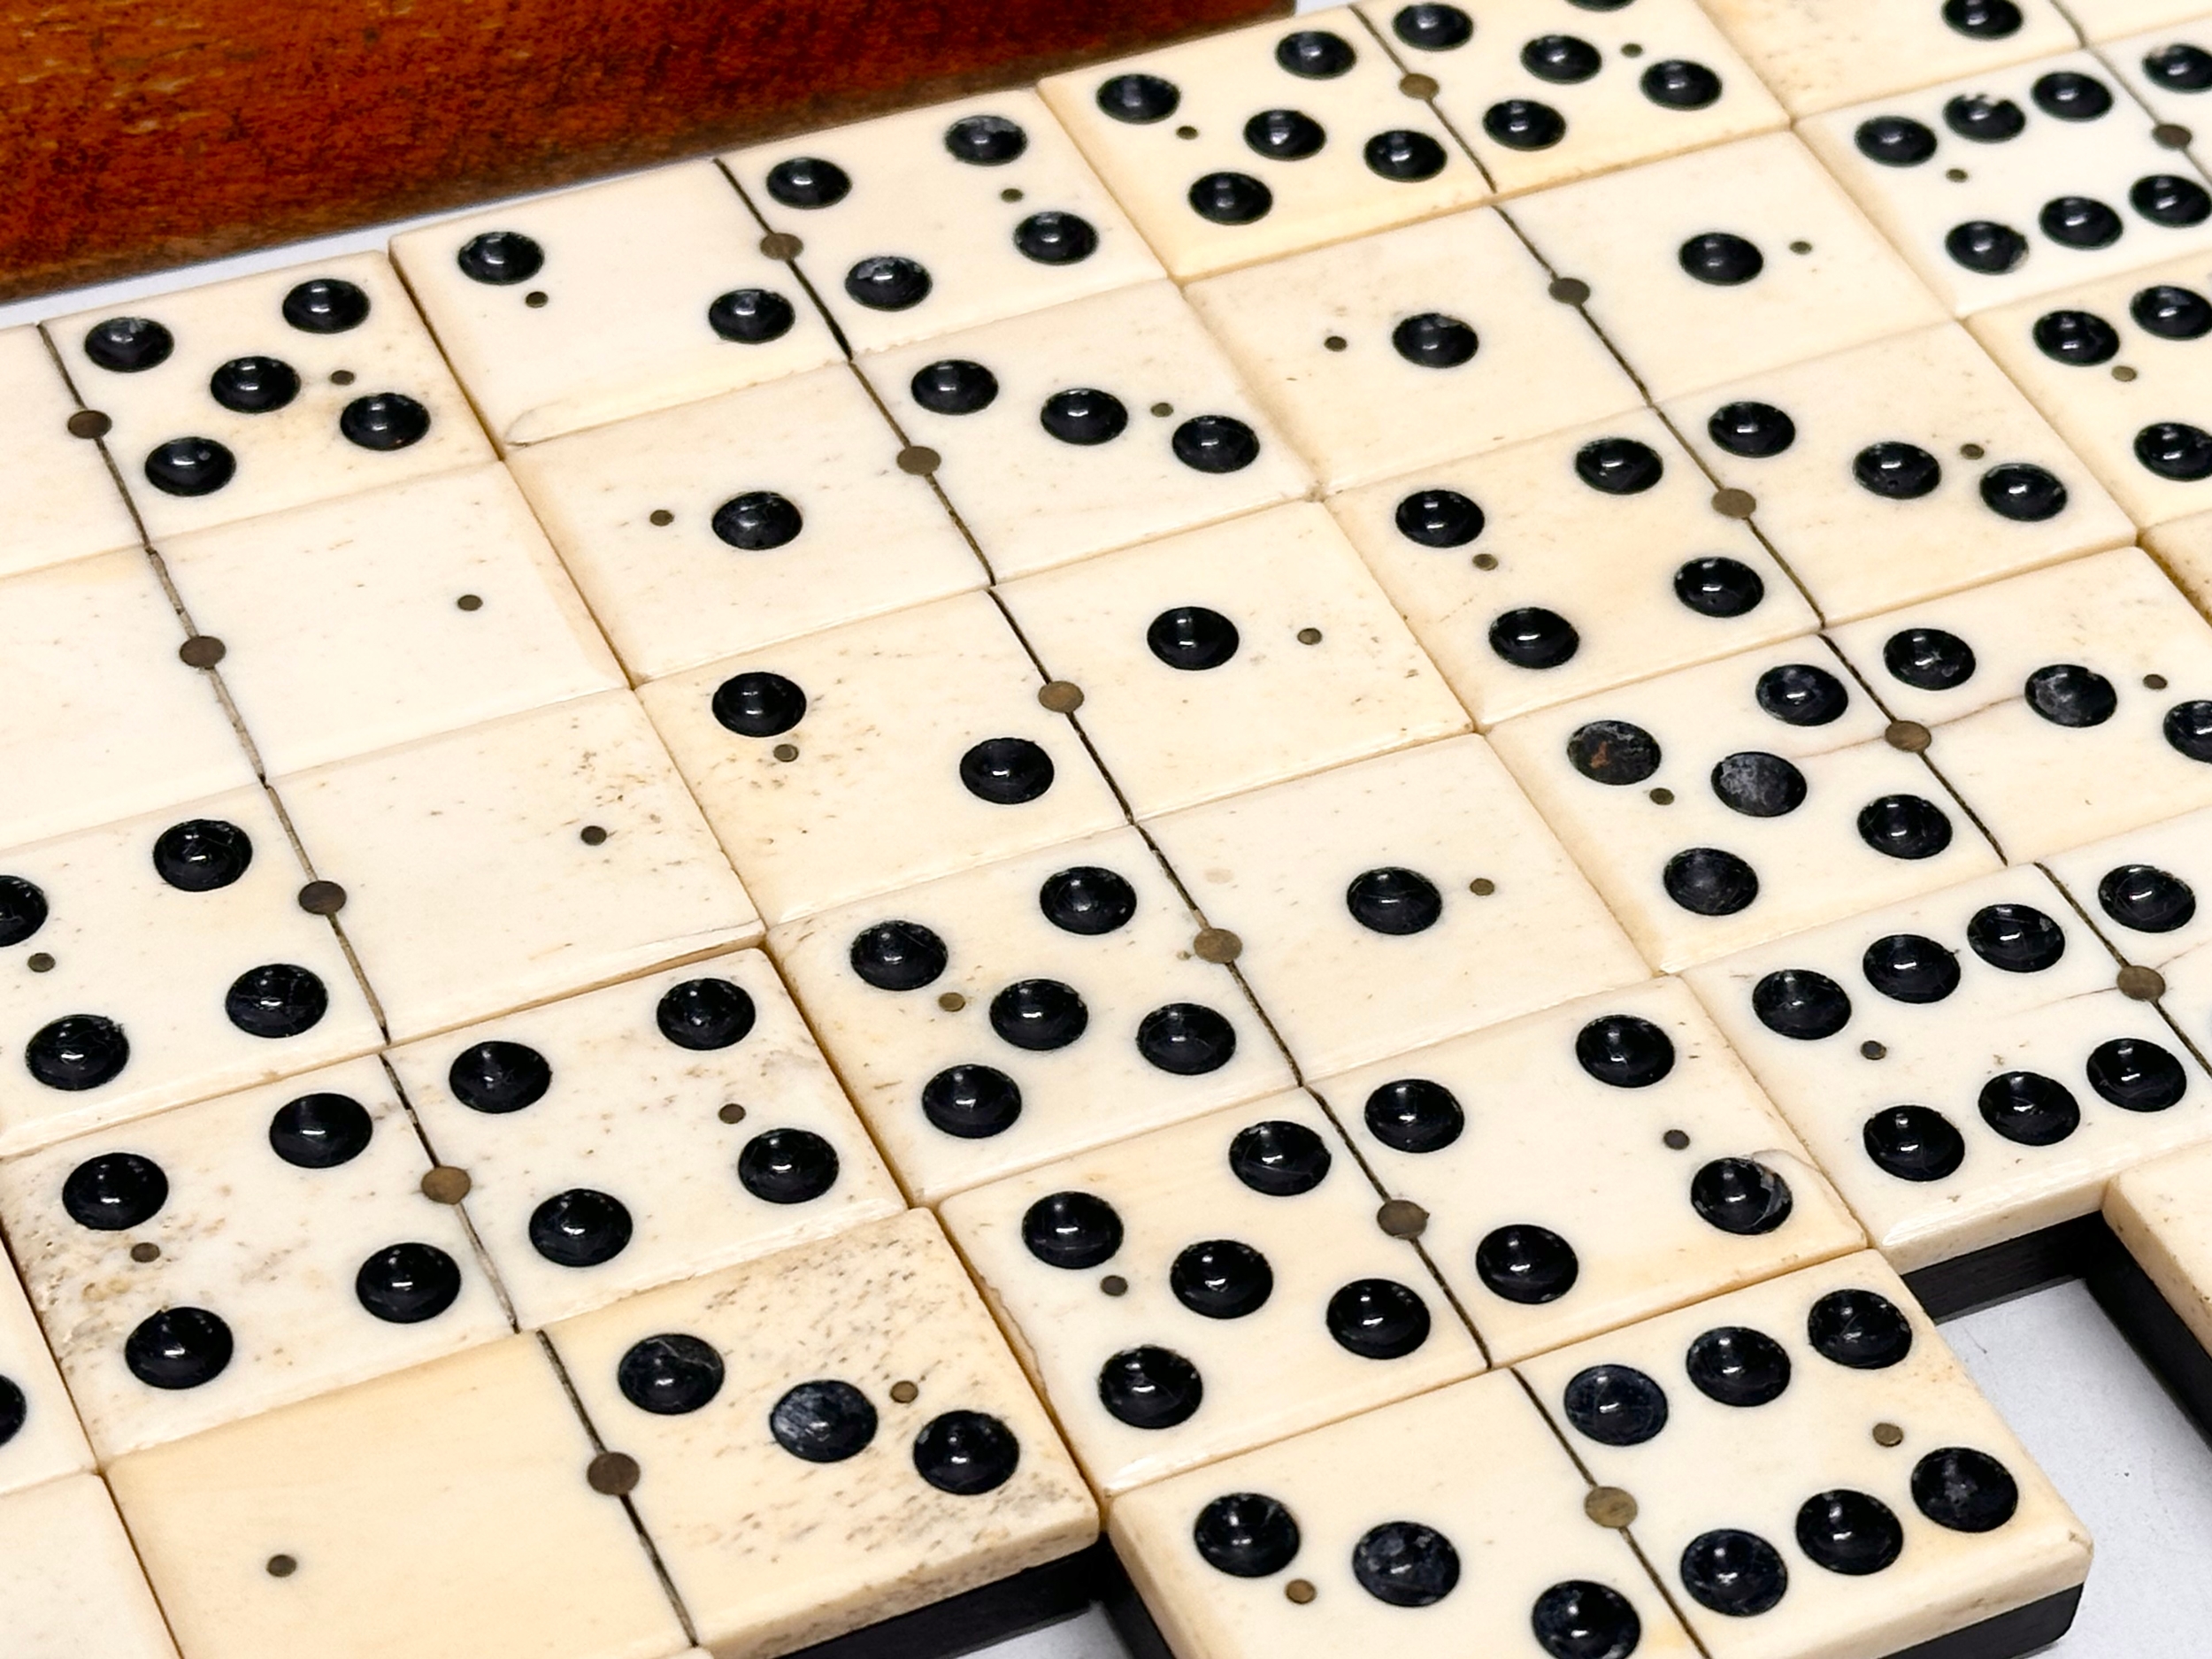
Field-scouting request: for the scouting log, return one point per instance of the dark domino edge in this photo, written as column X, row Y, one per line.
column 2132, row 1303
column 1031, row 1598
column 2007, row 1635
column 1982, row 1277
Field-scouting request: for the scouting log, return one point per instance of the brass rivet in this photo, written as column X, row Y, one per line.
column 2123, row 372
column 1735, row 504
column 1485, row 560
column 781, row 244
column 2144, row 985
column 920, row 459
column 1217, row 944
column 592, row 835
column 1888, row 1434
column 283, row 1566
column 1674, row 1141
column 1185, row 132
column 469, row 601
column 39, row 962
column 446, row 1185
column 1909, row 735
column 1418, row 86
column 1662, row 796
column 786, row 751
column 1009, row 195
column 731, row 1113
column 2172, row 135
column 952, row 1001
column 1062, row 696
column 145, row 1253
column 2153, row 682
column 1335, row 342
column 1629, row 49
column 1114, row 1284
column 1300, row 1591
column 904, row 1393
column 535, row 299
column 1874, row 1050
column 1972, row 452
column 89, row 423
column 1403, row 1218
column 322, row 898
column 1801, row 247
column 1956, row 175
column 1482, row 887
column 612, row 1473
column 202, row 650
column 1309, row 636
column 341, row 377
column 1570, row 290
column 1609, row 1506
column 660, row 517
column 1163, row 410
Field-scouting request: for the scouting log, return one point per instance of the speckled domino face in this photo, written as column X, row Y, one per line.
column 1263, row 141
column 159, row 960
column 658, row 1128
column 1554, row 568
column 2183, row 548
column 407, row 610
column 1754, row 1434
column 943, row 218
column 1105, row 422
column 1223, row 659
column 2167, row 66
column 1201, row 1290
column 70, row 1579
column 2159, row 1211
column 1655, row 1173
column 1899, row 469
column 603, row 303
column 2035, row 178
column 1717, row 264
column 1417, row 345
column 2045, row 690
column 306, row 1529
column 98, row 718
column 1545, row 96
column 1019, row 1012
column 62, row 504
column 1395, row 903
column 1817, row 54
column 859, row 1378
column 266, row 391
column 516, row 861
column 248, row 1252
column 2116, row 368
column 1718, row 806
column 1449, row 1524
column 40, row 1437
column 2141, row 890
column 737, row 522
column 2101, row 20
column 877, row 754
column 1944, row 1144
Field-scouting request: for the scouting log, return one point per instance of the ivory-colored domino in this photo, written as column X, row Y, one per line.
column 230, row 1257
column 1812, row 1474
column 1393, row 904
column 888, row 1448
column 2141, row 889
column 1608, row 529
column 98, row 716
column 2101, row 22
column 1544, row 96
column 2133, row 400
column 1415, row 346
column 745, row 519
column 2163, row 62
column 536, row 856
column 2043, row 689
column 1450, row 1523
column 1094, row 425
column 1264, row 141
column 442, row 1512
column 161, row 960
column 1817, row 54
column 2183, row 547
column 938, row 218
column 1226, row 658
column 654, row 1130
column 1961, row 1065
column 2158, row 1209
column 1005, row 1016
column 395, row 614
column 269, row 390
column 62, row 503
column 1590, row 1165
column 879, row 754
column 69, row 1578
column 1695, row 269
column 595, row 305
column 1249, row 1294
column 1899, row 469
column 41, row 1439
column 2038, row 177
column 1721, row 805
